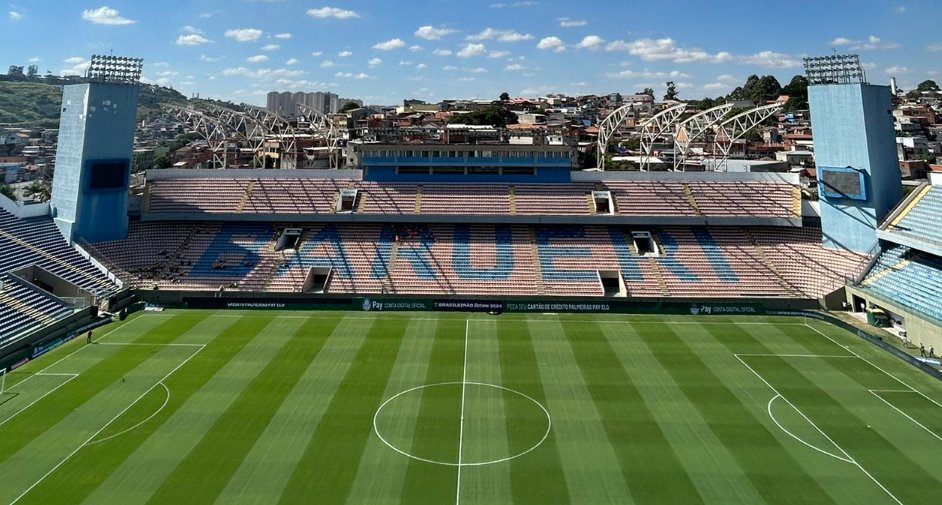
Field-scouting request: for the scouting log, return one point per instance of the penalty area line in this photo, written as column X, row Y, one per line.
column 88, row 441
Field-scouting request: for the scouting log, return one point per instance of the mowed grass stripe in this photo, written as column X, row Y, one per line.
column 714, row 471
column 266, row 469
column 142, row 471
column 104, row 367
column 328, row 465
column 744, row 437
column 202, row 475
column 85, row 471
column 591, row 468
column 382, row 471
column 486, row 416
column 437, row 422
column 842, row 482
column 537, row 477
column 646, row 456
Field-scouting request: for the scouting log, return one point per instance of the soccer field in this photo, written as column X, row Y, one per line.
column 202, row 407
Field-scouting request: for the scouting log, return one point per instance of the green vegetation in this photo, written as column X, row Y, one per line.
column 8, row 192
column 763, row 89
column 39, row 190
column 493, row 115
column 269, row 407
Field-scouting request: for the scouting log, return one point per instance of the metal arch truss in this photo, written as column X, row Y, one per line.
column 655, row 127
column 323, row 128
column 736, row 127
column 211, row 129
column 607, row 128
column 692, row 128
column 267, row 126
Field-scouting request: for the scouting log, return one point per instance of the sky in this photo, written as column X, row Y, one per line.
column 385, row 51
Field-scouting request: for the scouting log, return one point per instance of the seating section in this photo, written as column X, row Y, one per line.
column 23, row 308
column 909, row 277
column 38, row 242
column 922, row 219
column 319, row 196
column 484, row 259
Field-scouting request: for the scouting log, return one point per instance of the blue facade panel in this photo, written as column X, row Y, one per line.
column 97, row 125
column 543, row 175
column 853, row 127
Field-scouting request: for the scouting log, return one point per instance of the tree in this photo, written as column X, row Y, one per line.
column 504, row 96
column 8, row 192
column 15, row 72
column 349, row 106
column 32, row 72
column 648, row 91
column 928, row 86
column 671, row 92
column 38, row 190
column 797, row 91
column 493, row 116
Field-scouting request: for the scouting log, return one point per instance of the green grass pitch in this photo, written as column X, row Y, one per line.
column 202, row 407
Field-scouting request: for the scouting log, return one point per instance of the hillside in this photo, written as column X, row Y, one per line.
column 34, row 103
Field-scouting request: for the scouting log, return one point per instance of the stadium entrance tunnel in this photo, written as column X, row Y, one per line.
column 462, row 424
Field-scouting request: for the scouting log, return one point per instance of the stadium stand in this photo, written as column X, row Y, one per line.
column 918, row 218
column 37, row 242
column 285, row 196
column 486, row 259
column 910, row 277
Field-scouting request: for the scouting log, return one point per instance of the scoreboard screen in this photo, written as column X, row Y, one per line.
column 107, row 175
column 842, row 182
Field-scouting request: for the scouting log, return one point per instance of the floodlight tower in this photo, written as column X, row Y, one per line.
column 859, row 179
column 93, row 161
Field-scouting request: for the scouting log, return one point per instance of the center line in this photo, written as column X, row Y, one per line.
column 464, row 384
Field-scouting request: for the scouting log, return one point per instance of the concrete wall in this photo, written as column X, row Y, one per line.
column 919, row 330
column 853, row 127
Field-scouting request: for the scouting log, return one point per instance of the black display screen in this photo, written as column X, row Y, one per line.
column 843, row 183
column 107, row 175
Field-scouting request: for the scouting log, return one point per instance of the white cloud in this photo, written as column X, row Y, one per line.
column 317, row 53
column 208, row 59
column 389, row 45
column 498, row 54
column 344, row 54
column 259, row 58
column 666, row 49
column 429, row 32
column 263, row 73
column 469, row 50
column 551, row 44
column 591, row 42
column 415, row 48
column 106, row 16
column 374, row 61
column 515, row 67
column 292, row 61
column 901, row 10
column 244, row 34
column 327, row 64
column 349, row 75
column 283, row 36
column 872, row 43
column 500, row 35
column 522, row 3
column 770, row 59
column 270, row 47
column 193, row 39
column 647, row 74
column 421, row 66
column 897, row 70
column 332, row 12
column 16, row 16
column 442, row 52
column 572, row 23
column 934, row 48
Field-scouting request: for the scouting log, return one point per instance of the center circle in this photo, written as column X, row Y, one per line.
column 425, row 423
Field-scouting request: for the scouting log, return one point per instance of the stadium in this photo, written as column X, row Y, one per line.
column 472, row 323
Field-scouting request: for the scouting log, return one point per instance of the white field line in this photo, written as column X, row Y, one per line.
column 796, row 437
column 134, row 344
column 51, row 375
column 897, row 379
column 894, row 407
column 42, row 372
column 132, row 428
column 825, row 435
column 94, row 435
column 47, row 393
column 773, row 355
column 464, row 387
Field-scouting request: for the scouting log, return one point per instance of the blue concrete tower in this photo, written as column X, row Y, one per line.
column 93, row 160
column 859, row 180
